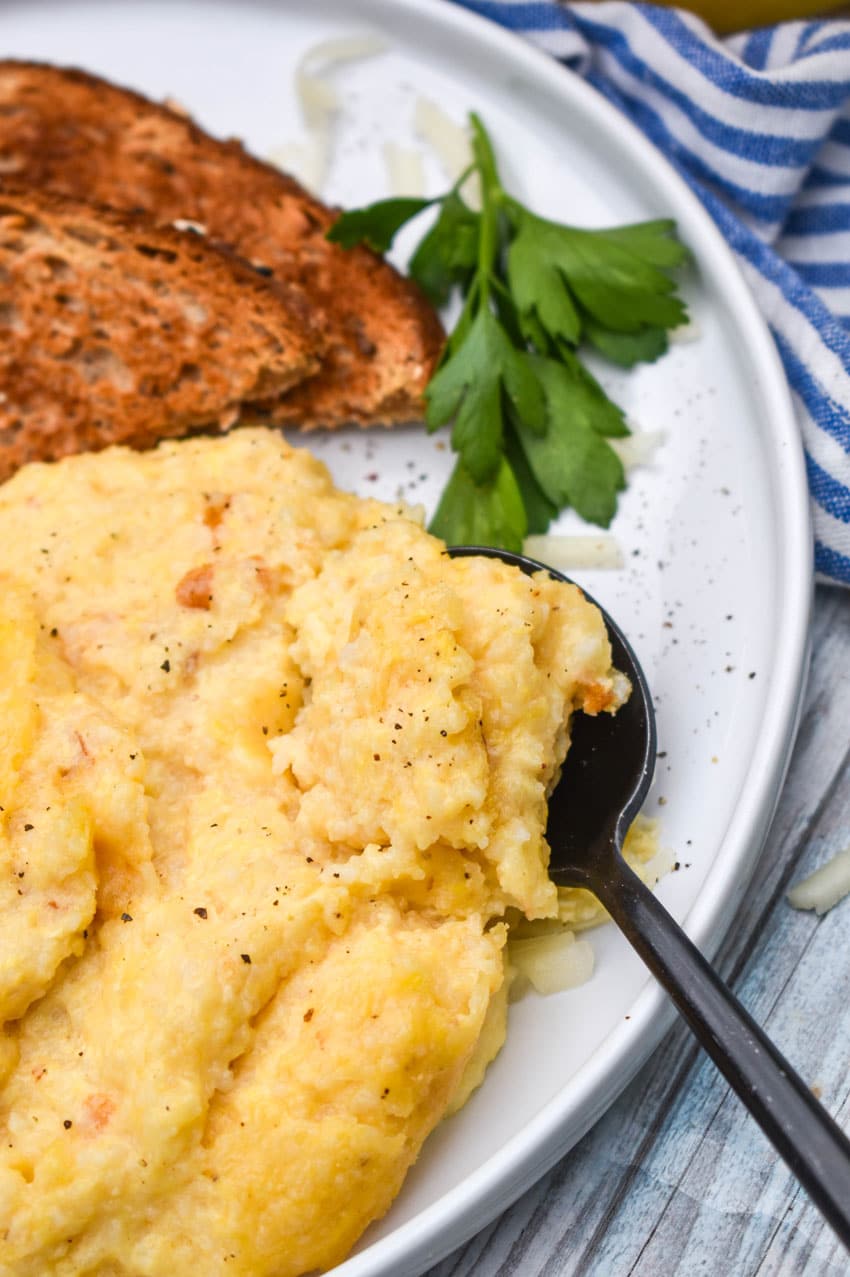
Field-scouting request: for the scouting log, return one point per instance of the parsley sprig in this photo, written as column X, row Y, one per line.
column 530, row 424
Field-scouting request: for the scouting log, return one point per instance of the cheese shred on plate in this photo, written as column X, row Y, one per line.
column 825, row 887
column 320, row 103
column 273, row 782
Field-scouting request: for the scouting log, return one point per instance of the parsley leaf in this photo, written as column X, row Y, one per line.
column 539, row 510
column 471, row 386
column 376, row 225
column 447, row 255
column 627, row 349
column 589, row 401
column 545, row 306
column 530, row 424
column 654, row 242
column 492, row 513
column 572, row 463
column 555, row 271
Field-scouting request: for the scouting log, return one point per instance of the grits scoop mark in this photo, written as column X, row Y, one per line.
column 285, row 765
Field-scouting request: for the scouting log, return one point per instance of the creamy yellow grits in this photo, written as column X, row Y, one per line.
column 272, row 768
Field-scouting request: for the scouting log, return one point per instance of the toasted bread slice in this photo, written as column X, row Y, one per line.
column 84, row 137
column 115, row 330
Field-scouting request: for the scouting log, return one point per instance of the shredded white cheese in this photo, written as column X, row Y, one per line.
column 318, row 98
column 307, row 161
column 450, row 142
column 684, row 334
column 825, row 887
column 552, row 963
column 320, row 105
column 405, row 170
column 638, row 448
column 657, row 867
column 566, row 553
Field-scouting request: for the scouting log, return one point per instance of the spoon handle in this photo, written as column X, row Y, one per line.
column 812, row 1144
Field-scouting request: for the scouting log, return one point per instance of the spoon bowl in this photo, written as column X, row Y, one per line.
column 605, row 779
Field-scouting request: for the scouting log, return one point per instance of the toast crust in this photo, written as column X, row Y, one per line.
column 83, row 137
column 115, row 330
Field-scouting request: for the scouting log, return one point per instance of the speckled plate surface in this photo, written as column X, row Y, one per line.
column 716, row 584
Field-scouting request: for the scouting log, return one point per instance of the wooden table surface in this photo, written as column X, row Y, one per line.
column 677, row 1180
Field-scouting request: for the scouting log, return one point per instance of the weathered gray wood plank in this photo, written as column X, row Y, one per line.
column 676, row 1180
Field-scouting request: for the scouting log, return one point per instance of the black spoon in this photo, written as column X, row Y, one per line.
column 604, row 781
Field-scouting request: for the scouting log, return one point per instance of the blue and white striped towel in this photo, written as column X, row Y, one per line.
column 759, row 126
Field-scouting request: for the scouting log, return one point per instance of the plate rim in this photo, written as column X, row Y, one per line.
column 465, row 1209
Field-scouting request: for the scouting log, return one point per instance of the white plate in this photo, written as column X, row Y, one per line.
column 716, row 589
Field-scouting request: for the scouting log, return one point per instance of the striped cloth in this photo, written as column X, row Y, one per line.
column 759, row 126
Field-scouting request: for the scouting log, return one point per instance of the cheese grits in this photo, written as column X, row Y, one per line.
column 272, row 770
